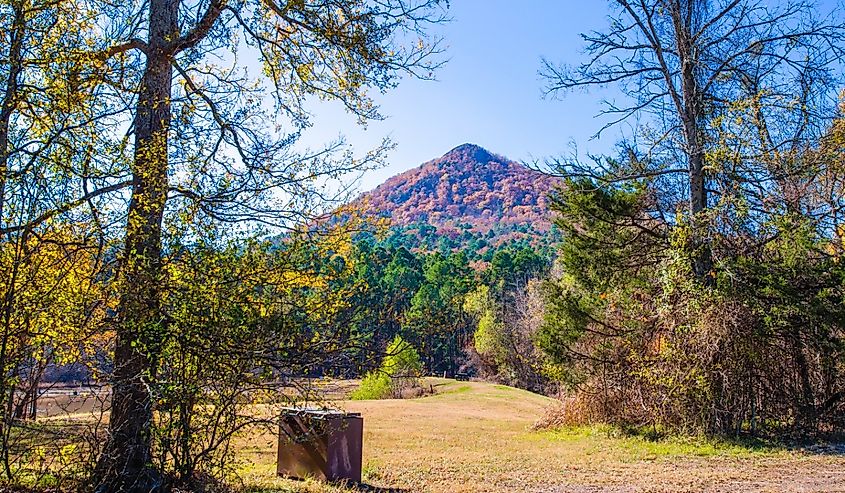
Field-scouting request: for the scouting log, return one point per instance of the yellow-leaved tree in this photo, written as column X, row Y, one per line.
column 144, row 117
column 58, row 164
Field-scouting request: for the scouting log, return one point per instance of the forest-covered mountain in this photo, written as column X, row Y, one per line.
column 467, row 197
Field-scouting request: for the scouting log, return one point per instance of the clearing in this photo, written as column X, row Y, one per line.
column 477, row 437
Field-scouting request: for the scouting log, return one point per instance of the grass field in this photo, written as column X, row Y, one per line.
column 477, row 437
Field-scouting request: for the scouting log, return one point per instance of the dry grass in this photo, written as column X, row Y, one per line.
column 476, row 437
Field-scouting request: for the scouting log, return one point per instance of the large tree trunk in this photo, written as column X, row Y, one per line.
column 702, row 261
column 126, row 462
column 692, row 118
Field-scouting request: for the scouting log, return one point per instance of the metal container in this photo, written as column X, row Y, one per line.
column 321, row 444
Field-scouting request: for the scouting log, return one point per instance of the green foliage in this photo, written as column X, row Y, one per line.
column 435, row 321
column 240, row 316
column 513, row 266
column 420, row 295
column 633, row 332
column 606, row 268
column 374, row 386
column 488, row 337
column 504, row 347
column 401, row 360
column 701, row 286
column 400, row 369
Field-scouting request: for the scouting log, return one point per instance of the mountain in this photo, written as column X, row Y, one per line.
column 468, row 193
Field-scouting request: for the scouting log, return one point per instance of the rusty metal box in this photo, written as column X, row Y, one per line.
column 321, row 444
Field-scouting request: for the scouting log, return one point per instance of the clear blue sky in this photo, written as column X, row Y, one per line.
column 489, row 93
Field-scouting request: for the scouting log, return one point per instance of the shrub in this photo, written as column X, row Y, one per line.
column 375, row 385
column 568, row 413
column 400, row 370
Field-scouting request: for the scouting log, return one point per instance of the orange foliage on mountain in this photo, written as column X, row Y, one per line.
column 467, row 185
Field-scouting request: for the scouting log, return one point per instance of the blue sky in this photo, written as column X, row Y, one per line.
column 489, row 93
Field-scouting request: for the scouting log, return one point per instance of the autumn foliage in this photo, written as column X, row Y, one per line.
column 467, row 185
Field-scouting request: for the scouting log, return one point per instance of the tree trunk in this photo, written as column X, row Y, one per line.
column 126, row 463
column 692, row 118
column 10, row 96
column 805, row 417
column 7, row 107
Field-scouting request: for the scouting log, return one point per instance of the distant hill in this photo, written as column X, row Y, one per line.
column 466, row 194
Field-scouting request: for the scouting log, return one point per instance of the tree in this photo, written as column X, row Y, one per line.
column 436, row 317
column 508, row 316
column 57, row 307
column 511, row 268
column 689, row 65
column 641, row 343
column 489, row 334
column 206, row 148
column 246, row 321
column 384, row 280
column 400, row 369
column 52, row 248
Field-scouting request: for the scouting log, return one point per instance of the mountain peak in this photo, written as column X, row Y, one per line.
column 470, row 151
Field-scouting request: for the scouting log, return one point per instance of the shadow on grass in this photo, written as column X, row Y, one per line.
column 751, row 443
column 825, row 449
column 368, row 488
column 829, row 444
column 344, row 486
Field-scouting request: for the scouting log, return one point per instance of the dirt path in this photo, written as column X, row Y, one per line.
column 712, row 475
